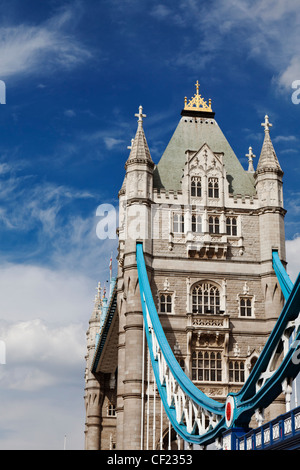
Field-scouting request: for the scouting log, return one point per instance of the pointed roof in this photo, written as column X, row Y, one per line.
column 139, row 150
column 191, row 133
column 268, row 158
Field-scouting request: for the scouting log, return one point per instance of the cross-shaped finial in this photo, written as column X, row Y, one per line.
column 140, row 115
column 197, row 87
column 130, row 146
column 99, row 289
column 98, row 295
column 250, row 156
column 266, row 124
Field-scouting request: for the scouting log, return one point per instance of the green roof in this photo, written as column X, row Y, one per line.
column 190, row 134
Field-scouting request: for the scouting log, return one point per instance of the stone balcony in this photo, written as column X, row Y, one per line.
column 208, row 330
column 210, row 246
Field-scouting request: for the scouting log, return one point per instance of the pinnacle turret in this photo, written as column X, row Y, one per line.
column 268, row 159
column 139, row 150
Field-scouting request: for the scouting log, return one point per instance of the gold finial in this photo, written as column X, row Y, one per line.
column 197, row 103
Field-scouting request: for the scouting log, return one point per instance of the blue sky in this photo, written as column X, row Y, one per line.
column 75, row 74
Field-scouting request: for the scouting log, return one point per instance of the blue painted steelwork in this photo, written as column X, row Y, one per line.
column 282, row 276
column 183, row 381
column 262, row 386
column 280, row 433
column 248, row 399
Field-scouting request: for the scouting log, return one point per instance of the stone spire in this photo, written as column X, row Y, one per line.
column 97, row 305
column 268, row 159
column 250, row 156
column 139, row 150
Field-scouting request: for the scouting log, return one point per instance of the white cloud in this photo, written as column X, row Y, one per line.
column 45, row 314
column 69, row 113
column 161, row 11
column 39, row 355
column 27, row 49
column 291, row 73
column 285, row 138
column 112, row 142
column 267, row 31
column 44, row 318
column 55, row 295
column 293, row 257
column 38, row 421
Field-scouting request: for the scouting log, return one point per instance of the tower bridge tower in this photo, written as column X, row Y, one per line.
column 208, row 228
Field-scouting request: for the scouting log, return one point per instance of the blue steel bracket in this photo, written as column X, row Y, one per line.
column 186, row 406
column 265, row 383
column 197, row 418
column 282, row 276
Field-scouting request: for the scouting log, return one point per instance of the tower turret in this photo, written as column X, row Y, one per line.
column 268, row 183
column 269, row 173
column 139, row 166
column 93, row 393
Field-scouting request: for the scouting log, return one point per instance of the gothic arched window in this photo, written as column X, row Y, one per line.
column 231, row 226
column 205, row 299
column 207, row 366
column 236, row 371
column 178, row 223
column 213, row 187
column 165, row 301
column 196, row 186
column 246, row 307
column 196, row 223
column 214, row 224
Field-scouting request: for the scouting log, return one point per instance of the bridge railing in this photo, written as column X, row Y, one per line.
column 282, row 432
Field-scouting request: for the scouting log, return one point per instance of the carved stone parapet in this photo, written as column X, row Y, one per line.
column 205, row 322
column 208, row 331
column 211, row 247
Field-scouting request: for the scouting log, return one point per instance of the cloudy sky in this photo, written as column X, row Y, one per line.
column 75, row 73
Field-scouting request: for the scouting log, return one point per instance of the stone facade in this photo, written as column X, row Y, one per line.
column 208, row 229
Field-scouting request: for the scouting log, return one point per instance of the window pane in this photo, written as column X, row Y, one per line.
column 193, row 189
column 175, row 223
column 182, row 223
column 193, row 223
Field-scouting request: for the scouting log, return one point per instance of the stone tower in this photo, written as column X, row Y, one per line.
column 208, row 229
